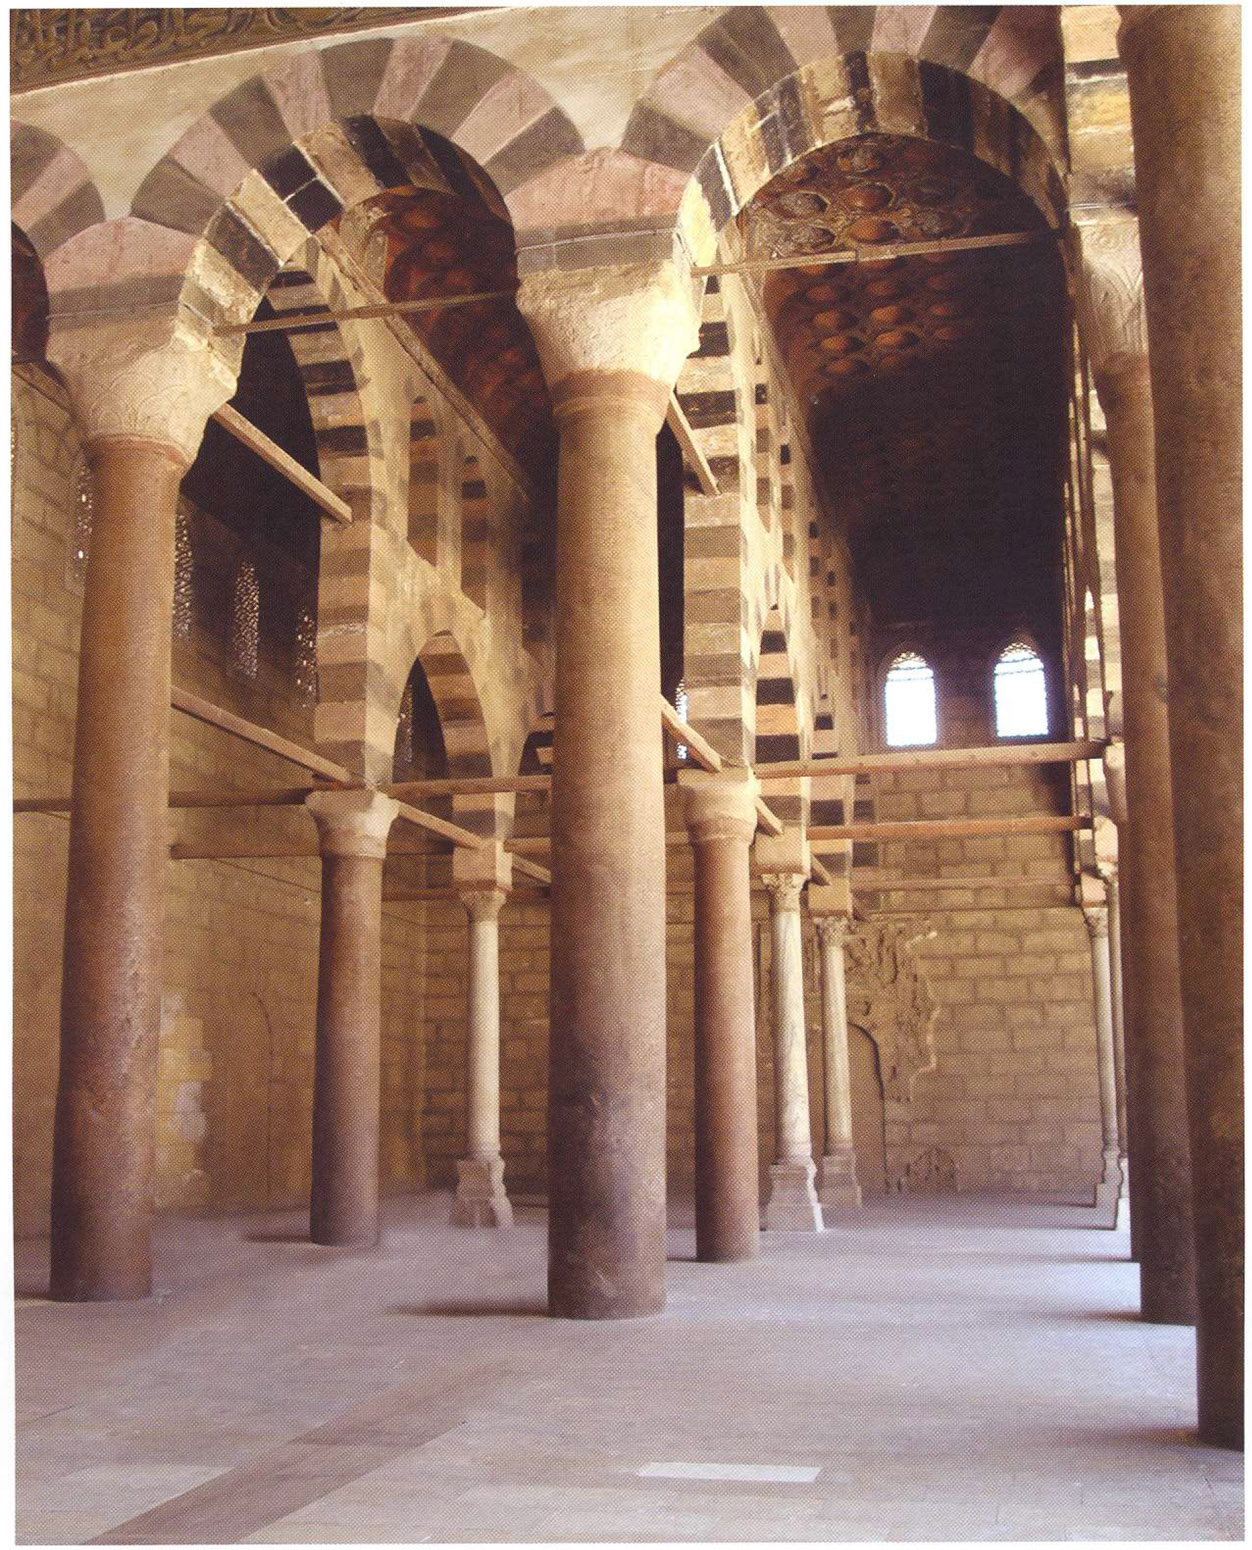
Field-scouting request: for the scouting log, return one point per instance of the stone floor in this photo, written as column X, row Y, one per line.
column 937, row 1370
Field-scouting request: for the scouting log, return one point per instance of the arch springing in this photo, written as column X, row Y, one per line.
column 909, row 702
column 1020, row 688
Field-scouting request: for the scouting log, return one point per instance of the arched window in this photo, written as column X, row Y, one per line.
column 909, row 697
column 246, row 620
column 306, row 659
column 183, row 564
column 402, row 763
column 80, row 538
column 680, row 705
column 1021, row 693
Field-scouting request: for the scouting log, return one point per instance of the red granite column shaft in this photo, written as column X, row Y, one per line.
column 610, row 343
column 721, row 818
column 103, row 1145
column 1183, row 74
column 343, row 1206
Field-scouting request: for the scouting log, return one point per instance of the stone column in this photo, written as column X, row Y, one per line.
column 611, row 343
column 1183, row 74
column 721, row 818
column 353, row 828
column 1109, row 1189
column 792, row 1204
column 141, row 398
column 837, row 1181
column 1112, row 886
column 480, row 1199
column 1112, row 318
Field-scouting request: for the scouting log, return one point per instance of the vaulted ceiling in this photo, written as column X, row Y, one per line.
column 934, row 385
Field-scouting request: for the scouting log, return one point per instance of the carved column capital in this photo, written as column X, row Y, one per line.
column 145, row 381
column 832, row 929
column 1097, row 918
column 609, row 332
column 784, row 889
column 719, row 806
column 353, row 823
column 1110, row 303
column 482, row 902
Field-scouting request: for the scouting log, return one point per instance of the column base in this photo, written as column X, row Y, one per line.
column 836, row 1180
column 480, row 1200
column 1111, row 1189
column 793, row 1204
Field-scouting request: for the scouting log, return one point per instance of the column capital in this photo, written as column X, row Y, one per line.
column 785, row 888
column 832, row 929
column 608, row 332
column 721, row 805
column 352, row 823
column 143, row 381
column 481, row 901
column 1110, row 304
column 1097, row 918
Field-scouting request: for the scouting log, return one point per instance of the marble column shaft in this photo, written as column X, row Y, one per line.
column 792, row 1204
column 721, row 819
column 1183, row 74
column 141, row 400
column 611, row 343
column 1112, row 883
column 480, row 1199
column 837, row 1184
column 1108, row 1191
column 353, row 828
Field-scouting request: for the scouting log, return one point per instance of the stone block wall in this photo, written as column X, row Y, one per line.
column 236, row 1059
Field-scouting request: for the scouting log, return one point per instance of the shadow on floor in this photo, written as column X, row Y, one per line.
column 472, row 1310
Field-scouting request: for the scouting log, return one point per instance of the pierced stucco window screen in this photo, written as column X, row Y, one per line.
column 1021, row 693
column 909, row 701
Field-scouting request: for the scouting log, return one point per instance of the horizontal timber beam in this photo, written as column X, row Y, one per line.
column 691, row 449
column 377, row 309
column 260, row 737
column 878, row 253
column 870, row 883
column 700, row 752
column 277, row 457
column 935, row 759
column 953, row 828
column 468, row 786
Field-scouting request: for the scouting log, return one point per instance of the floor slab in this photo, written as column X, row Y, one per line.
column 931, row 1370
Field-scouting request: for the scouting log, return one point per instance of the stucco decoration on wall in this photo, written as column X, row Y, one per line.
column 889, row 997
column 55, row 45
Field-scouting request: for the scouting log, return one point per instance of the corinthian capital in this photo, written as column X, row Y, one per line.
column 155, row 381
column 643, row 319
column 784, row 889
column 1110, row 297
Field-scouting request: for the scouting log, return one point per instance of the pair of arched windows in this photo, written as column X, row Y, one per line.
column 1019, row 694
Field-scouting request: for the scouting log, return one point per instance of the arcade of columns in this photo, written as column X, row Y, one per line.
column 611, row 343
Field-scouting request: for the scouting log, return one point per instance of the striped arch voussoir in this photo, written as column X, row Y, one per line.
column 52, row 193
column 287, row 151
column 761, row 86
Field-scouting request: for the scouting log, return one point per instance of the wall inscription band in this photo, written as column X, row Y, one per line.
column 55, row 45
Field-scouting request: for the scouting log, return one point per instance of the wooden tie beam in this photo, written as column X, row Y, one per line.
column 270, row 452
column 953, row 828
column 691, row 449
column 935, row 759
